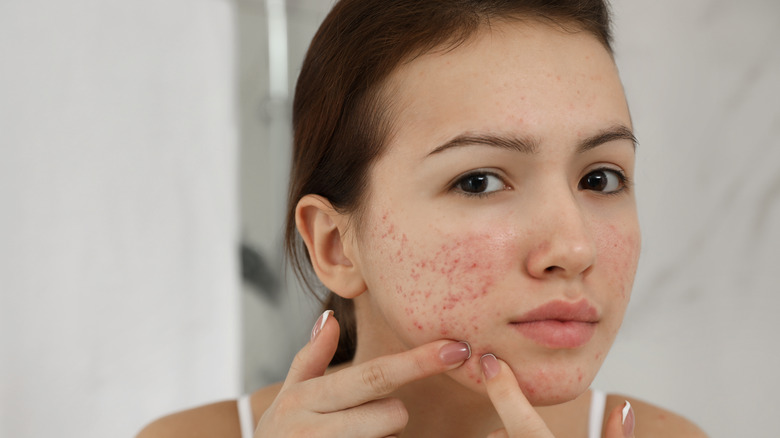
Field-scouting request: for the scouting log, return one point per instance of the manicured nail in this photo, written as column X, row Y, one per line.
column 490, row 366
column 455, row 352
column 628, row 420
column 315, row 331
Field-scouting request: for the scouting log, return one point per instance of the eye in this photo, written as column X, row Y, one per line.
column 604, row 180
column 479, row 183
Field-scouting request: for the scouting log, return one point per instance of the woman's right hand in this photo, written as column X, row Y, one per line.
column 351, row 402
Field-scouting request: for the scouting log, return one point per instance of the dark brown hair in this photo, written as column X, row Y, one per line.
column 342, row 120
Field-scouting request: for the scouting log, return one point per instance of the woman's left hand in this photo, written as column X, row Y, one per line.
column 521, row 419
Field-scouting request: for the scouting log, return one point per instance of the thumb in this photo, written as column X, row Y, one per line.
column 620, row 423
column 313, row 359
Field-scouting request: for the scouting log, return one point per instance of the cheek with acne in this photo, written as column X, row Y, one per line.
column 442, row 285
column 619, row 249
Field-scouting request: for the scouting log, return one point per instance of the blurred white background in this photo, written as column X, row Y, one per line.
column 142, row 142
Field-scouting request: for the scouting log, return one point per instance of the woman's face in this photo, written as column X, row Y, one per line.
column 500, row 213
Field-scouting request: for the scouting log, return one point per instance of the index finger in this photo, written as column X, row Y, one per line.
column 517, row 414
column 379, row 377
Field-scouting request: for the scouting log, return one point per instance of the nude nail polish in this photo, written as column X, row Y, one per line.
column 628, row 420
column 315, row 331
column 490, row 366
column 455, row 352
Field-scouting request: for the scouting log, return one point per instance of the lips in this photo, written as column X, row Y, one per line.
column 559, row 324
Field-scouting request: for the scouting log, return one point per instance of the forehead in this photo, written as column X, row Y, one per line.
column 524, row 78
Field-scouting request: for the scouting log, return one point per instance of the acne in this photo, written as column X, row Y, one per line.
column 619, row 248
column 441, row 287
column 461, row 272
column 552, row 384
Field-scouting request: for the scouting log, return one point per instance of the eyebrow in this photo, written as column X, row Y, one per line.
column 528, row 145
column 617, row 132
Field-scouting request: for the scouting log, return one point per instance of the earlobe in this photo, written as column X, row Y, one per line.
column 332, row 256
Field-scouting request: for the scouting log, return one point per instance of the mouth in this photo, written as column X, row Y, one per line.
column 559, row 324
column 555, row 334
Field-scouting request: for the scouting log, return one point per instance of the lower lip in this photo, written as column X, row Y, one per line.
column 557, row 334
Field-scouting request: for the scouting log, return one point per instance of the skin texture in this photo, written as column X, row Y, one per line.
column 438, row 263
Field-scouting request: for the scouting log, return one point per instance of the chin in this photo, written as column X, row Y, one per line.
column 543, row 384
column 553, row 383
column 553, row 396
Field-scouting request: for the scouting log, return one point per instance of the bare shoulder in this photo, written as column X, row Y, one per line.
column 654, row 421
column 215, row 419
column 262, row 399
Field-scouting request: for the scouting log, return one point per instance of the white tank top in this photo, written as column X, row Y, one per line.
column 598, row 400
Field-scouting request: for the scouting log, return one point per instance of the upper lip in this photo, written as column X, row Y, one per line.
column 560, row 310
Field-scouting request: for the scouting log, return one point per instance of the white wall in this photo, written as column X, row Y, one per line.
column 118, row 292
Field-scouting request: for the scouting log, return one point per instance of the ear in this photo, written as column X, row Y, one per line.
column 332, row 255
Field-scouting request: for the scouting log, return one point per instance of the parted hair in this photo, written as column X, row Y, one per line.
column 342, row 117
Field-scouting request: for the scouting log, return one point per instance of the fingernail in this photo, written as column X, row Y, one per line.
column 455, row 352
column 315, row 331
column 490, row 366
column 628, row 420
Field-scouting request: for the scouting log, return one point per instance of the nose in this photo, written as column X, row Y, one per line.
column 563, row 244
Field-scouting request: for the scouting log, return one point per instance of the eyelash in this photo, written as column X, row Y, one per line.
column 623, row 181
column 459, row 180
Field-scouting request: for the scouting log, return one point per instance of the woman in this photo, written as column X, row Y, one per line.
column 461, row 186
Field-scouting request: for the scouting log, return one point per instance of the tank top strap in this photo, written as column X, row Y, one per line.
column 598, row 401
column 245, row 417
